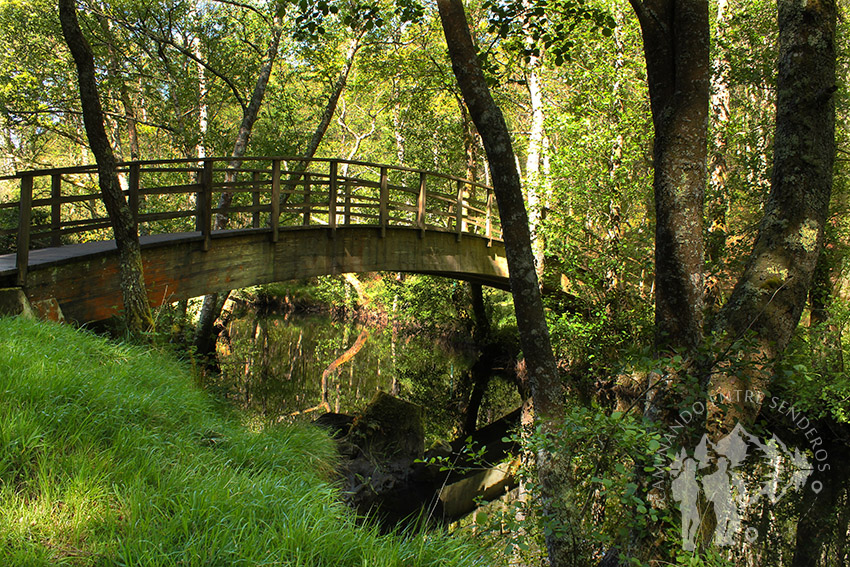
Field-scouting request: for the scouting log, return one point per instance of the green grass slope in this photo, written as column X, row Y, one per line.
column 109, row 455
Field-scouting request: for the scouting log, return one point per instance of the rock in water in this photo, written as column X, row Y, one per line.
column 389, row 429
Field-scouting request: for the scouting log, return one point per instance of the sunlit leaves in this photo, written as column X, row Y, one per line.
column 548, row 24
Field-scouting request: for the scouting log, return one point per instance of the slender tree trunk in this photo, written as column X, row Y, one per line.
column 769, row 298
column 333, row 99
column 398, row 135
column 137, row 311
column 534, row 335
column 535, row 186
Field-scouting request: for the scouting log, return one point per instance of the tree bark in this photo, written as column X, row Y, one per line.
column 676, row 46
column 546, row 386
column 137, row 311
column 769, row 298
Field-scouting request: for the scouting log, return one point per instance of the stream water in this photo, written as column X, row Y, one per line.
column 295, row 367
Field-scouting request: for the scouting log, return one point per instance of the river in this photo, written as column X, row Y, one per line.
column 297, row 366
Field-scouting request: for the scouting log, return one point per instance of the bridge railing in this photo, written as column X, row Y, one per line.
column 53, row 207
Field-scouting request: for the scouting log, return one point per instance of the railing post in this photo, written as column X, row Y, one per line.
column 275, row 220
column 459, row 210
column 332, row 189
column 306, row 208
column 55, row 209
column 133, row 200
column 420, row 205
column 489, row 228
column 384, row 207
column 24, row 219
column 255, row 201
column 347, row 209
column 203, row 201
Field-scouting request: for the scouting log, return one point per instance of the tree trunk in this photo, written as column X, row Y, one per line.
column 333, row 99
column 534, row 335
column 535, row 186
column 137, row 311
column 676, row 46
column 769, row 298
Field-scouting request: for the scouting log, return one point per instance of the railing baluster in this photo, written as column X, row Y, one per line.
column 489, row 218
column 134, row 193
column 24, row 219
column 459, row 210
column 383, row 210
column 55, row 209
column 332, row 187
column 275, row 199
column 255, row 201
column 420, row 205
column 347, row 210
column 306, row 208
column 203, row 199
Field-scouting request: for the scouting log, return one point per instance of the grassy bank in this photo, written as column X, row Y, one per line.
column 110, row 455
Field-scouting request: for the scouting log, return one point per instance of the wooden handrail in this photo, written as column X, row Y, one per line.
column 164, row 195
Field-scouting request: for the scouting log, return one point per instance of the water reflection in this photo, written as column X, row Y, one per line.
column 298, row 366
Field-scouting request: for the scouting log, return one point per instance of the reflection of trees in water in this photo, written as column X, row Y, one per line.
column 287, row 368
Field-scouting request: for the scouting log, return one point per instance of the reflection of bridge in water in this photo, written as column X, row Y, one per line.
column 288, row 219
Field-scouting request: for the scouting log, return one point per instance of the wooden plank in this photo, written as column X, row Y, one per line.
column 275, row 220
column 24, row 219
column 55, row 209
column 168, row 215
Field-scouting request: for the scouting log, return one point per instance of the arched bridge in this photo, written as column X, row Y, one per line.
column 279, row 218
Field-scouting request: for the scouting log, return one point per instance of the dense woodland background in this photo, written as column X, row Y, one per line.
column 374, row 82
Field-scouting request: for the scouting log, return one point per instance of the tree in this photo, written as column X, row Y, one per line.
column 769, row 298
column 137, row 311
column 546, row 390
column 676, row 46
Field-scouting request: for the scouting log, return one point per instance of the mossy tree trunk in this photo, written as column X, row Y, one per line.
column 137, row 311
column 768, row 300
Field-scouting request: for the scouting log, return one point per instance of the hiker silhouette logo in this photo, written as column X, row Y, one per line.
column 733, row 474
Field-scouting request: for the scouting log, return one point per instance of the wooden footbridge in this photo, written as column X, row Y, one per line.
column 282, row 219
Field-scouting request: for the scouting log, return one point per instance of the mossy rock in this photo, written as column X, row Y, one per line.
column 389, row 428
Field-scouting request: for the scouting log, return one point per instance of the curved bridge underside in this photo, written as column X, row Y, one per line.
column 83, row 278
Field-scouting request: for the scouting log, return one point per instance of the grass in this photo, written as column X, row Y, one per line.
column 110, row 455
